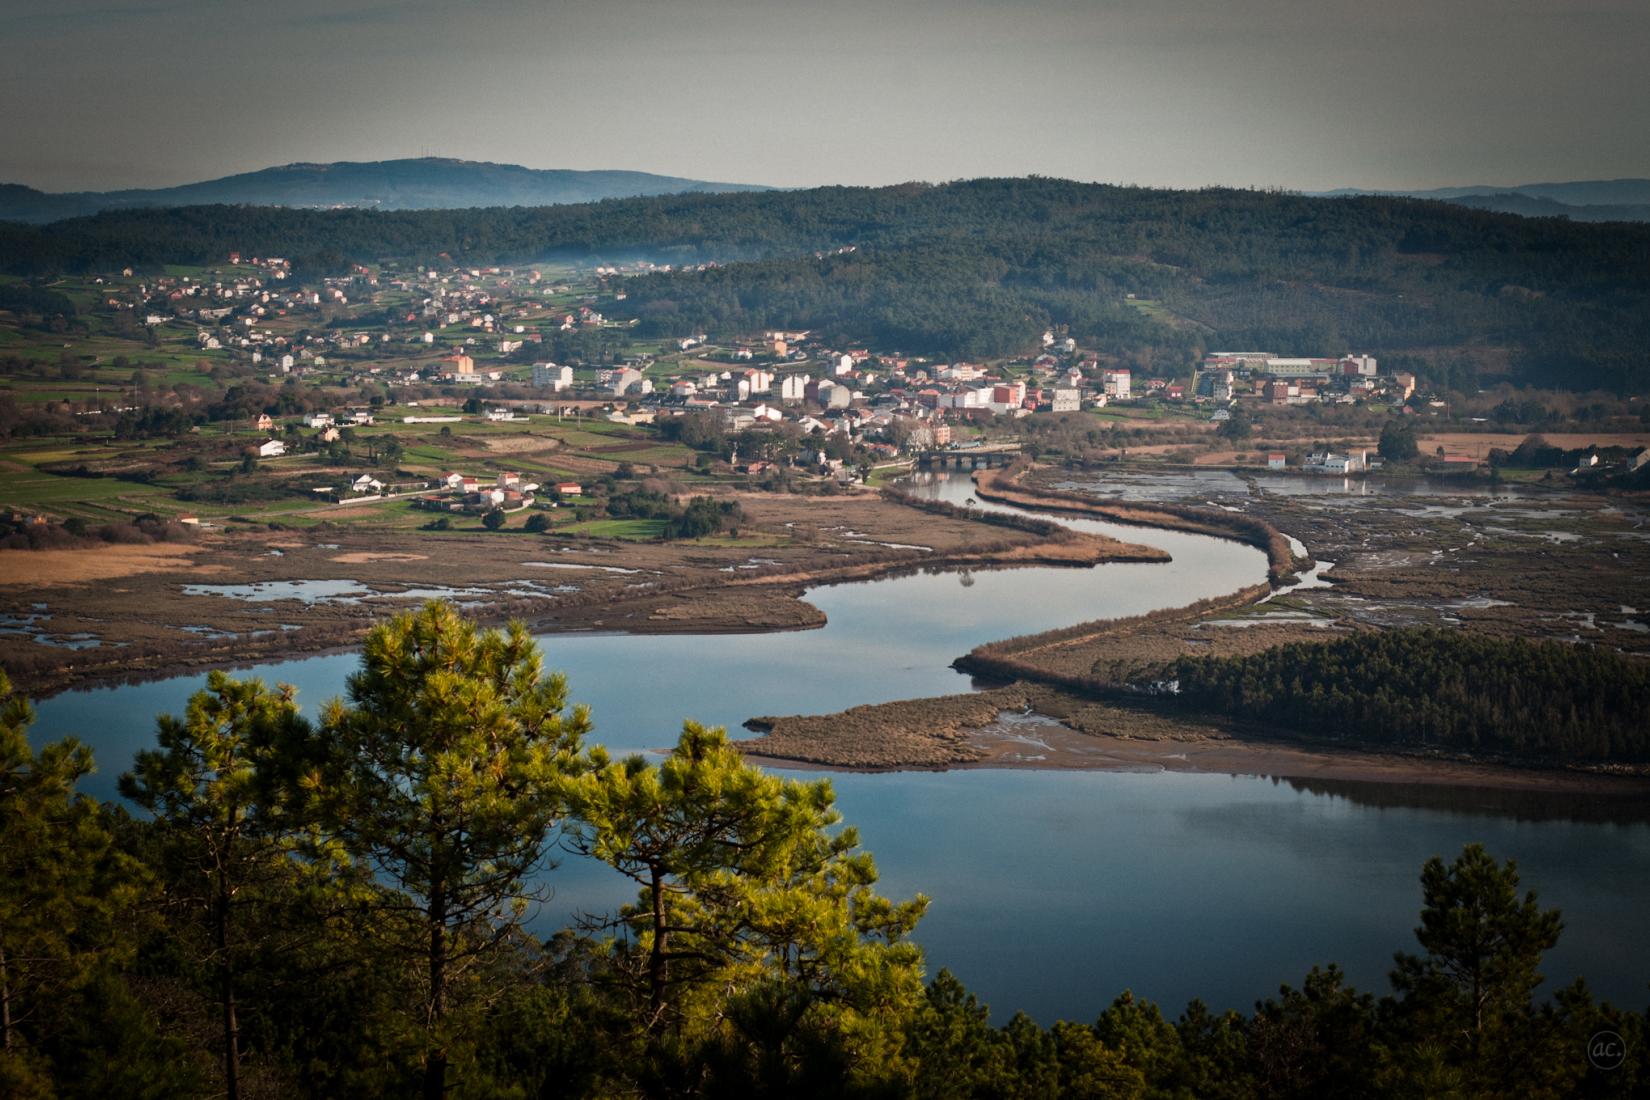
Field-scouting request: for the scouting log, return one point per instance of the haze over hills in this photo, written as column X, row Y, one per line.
column 1623, row 200
column 424, row 183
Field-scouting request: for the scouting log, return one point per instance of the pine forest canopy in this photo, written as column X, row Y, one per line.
column 1443, row 689
column 981, row 268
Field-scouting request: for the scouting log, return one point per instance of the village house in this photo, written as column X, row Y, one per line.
column 271, row 448
column 552, row 376
column 1328, row 462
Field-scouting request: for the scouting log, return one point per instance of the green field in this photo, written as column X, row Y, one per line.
column 635, row 530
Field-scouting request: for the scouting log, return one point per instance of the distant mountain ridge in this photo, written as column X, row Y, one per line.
column 1621, row 200
column 424, row 183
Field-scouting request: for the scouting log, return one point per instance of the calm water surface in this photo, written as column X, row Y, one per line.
column 1054, row 891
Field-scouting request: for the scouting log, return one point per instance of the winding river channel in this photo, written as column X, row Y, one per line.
column 1053, row 891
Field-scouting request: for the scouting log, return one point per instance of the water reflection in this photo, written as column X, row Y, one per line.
column 1621, row 808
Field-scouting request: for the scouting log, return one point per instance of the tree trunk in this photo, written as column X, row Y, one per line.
column 5, row 1002
column 656, row 963
column 231, row 1027
column 435, row 1060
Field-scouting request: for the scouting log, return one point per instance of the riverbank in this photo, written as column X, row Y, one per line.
column 1028, row 727
column 240, row 595
column 1006, row 486
column 1088, row 676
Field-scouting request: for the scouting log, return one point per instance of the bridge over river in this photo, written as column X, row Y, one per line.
column 969, row 458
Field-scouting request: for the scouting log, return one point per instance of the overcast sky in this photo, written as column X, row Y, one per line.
column 1307, row 94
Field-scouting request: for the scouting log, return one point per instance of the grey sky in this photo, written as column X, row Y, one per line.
column 1305, row 94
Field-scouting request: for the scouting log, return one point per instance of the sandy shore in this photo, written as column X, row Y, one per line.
column 1047, row 745
column 1054, row 746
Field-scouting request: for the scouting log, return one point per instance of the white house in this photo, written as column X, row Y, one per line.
column 629, row 380
column 793, row 387
column 272, row 448
column 833, row 395
column 1067, row 400
column 552, row 376
column 1327, row 462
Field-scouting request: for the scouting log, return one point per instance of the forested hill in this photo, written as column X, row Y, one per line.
column 980, row 268
column 423, row 183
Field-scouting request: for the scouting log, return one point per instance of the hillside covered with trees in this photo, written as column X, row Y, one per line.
column 340, row 908
column 981, row 268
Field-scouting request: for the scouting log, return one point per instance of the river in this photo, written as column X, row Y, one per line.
column 1054, row 891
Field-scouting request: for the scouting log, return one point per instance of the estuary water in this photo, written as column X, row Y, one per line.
column 1054, row 891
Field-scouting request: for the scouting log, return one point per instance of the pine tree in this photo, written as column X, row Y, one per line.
column 1472, row 989
column 203, row 786
column 758, row 940
column 442, row 772
column 65, row 886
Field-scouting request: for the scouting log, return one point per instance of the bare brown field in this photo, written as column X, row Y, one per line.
column 520, row 444
column 1479, row 444
column 57, row 568
column 363, row 557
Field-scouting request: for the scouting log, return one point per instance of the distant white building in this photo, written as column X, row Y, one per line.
column 629, row 381
column 793, row 387
column 1067, row 400
column 833, row 395
column 1328, row 462
column 272, row 448
column 552, row 376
